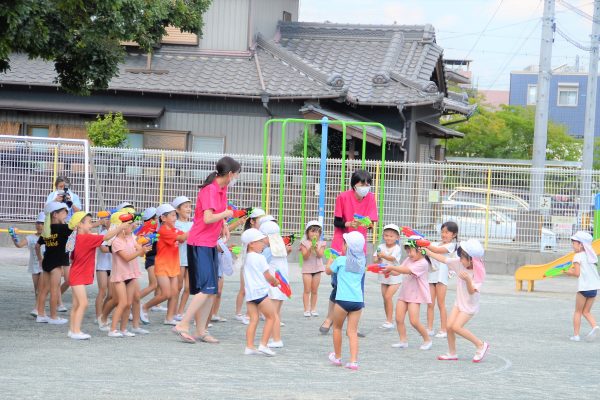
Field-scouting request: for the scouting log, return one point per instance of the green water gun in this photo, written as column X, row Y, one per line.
column 558, row 270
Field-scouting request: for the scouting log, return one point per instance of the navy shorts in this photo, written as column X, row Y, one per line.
column 350, row 306
column 258, row 301
column 203, row 267
column 149, row 261
column 589, row 294
column 332, row 295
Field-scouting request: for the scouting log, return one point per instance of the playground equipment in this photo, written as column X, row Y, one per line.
column 325, row 123
column 532, row 273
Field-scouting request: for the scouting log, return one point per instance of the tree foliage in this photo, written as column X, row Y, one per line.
column 313, row 148
column 108, row 131
column 508, row 133
column 83, row 37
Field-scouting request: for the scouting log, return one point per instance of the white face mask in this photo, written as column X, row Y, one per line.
column 362, row 191
column 232, row 182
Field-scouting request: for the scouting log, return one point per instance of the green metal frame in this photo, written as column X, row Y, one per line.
column 307, row 122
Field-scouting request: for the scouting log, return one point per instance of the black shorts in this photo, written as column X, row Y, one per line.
column 350, row 306
column 258, row 301
column 103, row 270
column 128, row 281
column 589, row 294
column 149, row 261
column 332, row 295
column 203, row 269
column 49, row 268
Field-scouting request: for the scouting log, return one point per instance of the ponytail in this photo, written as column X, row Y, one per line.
column 224, row 166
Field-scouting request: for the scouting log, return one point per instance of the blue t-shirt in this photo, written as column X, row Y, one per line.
column 349, row 284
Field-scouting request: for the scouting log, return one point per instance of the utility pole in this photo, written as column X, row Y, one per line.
column 585, row 195
column 541, row 106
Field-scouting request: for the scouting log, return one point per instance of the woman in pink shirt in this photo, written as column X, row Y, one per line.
column 357, row 201
column 414, row 291
column 203, row 265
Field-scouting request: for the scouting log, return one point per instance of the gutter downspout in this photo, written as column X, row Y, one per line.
column 403, row 138
column 264, row 98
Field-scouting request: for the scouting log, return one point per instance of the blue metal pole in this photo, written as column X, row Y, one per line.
column 323, row 170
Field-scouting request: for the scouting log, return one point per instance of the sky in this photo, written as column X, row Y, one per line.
column 500, row 36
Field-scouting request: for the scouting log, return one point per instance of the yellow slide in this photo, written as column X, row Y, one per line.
column 534, row 272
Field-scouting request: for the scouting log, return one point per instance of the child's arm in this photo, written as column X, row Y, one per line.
column 320, row 251
column 38, row 253
column 464, row 275
column 183, row 237
column 235, row 224
column 438, row 249
column 210, row 217
column 328, row 270
column 114, row 232
column 305, row 251
column 271, row 279
column 439, row 257
column 574, row 270
column 104, row 249
column 21, row 243
column 396, row 270
column 140, row 251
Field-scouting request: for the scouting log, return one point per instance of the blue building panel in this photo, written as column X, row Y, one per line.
column 571, row 116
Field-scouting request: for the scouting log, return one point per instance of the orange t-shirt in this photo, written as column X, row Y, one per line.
column 166, row 262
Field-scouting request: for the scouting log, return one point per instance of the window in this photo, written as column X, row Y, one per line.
column 203, row 144
column 287, row 16
column 568, row 94
column 38, row 131
column 531, row 95
column 135, row 140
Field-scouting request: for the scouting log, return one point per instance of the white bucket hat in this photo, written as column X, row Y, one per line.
column 149, row 213
column 355, row 241
column 473, row 248
column 393, row 227
column 270, row 228
column 257, row 212
column 313, row 223
column 264, row 219
column 41, row 217
column 586, row 240
column 54, row 206
column 179, row 201
column 164, row 208
column 123, row 205
column 252, row 235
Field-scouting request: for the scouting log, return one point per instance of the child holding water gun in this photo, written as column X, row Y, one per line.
column 349, row 298
column 183, row 206
column 312, row 249
column 438, row 276
column 413, row 292
column 470, row 271
column 588, row 282
column 34, row 265
column 151, row 221
column 389, row 253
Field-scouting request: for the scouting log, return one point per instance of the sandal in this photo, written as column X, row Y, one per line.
column 206, row 338
column 448, row 357
column 184, row 336
column 324, row 330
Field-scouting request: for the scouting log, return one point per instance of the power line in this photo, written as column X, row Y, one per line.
column 577, row 11
column 571, row 40
column 484, row 29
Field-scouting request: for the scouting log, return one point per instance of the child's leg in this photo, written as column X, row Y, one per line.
column 458, row 327
column 388, row 292
column 172, row 303
column 164, row 283
column 240, row 296
column 131, row 291
column 55, row 276
column 186, row 293
column 587, row 308
column 277, row 319
column 65, row 285
column 152, row 283
column 314, row 291
column 579, row 304
column 440, row 296
column 307, row 281
column 450, row 331
column 110, row 303
column 80, row 303
column 431, row 307
column 413, row 315
column 339, row 316
column 43, row 294
column 251, row 328
column 120, row 293
column 35, row 278
column 135, row 304
column 352, row 333
column 102, row 278
column 217, row 302
column 266, row 308
column 401, row 308
column 329, row 320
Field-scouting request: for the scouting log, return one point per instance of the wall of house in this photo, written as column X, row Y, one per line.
column 226, row 26
column 267, row 13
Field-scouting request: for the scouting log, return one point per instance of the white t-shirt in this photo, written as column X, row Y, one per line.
column 588, row 273
column 255, row 283
column 103, row 260
column 281, row 264
column 394, row 251
column 467, row 303
column 439, row 271
column 34, row 263
column 183, row 226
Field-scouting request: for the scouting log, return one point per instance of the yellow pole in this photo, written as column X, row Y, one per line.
column 55, row 166
column 18, row 231
column 162, row 178
column 376, row 199
column 268, row 185
column 487, row 208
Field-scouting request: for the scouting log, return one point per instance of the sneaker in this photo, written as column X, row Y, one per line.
column 307, row 313
column 144, row 318
column 400, row 345
column 314, row 313
column 155, row 309
column 430, row 332
column 218, row 318
column 575, row 338
column 481, row 353
column 42, row 319
column 281, row 323
column 360, row 334
column 441, row 335
column 69, row 333
column 275, row 344
column 251, row 352
column 170, row 322
column 126, row 333
column 139, row 331
column 160, row 308
column 266, row 351
column 448, row 357
column 210, row 325
column 335, row 361
column 240, row 317
column 115, row 333
column 79, row 336
column 33, row 313
column 61, row 308
column 246, row 321
column 593, row 334
column 426, row 345
column 130, row 316
column 178, row 317
column 262, row 317
column 57, row 321
column 352, row 365
column 387, row 325
column 103, row 326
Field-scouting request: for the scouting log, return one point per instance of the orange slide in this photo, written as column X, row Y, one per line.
column 534, row 272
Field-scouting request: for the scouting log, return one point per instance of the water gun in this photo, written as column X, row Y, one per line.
column 289, row 239
column 13, row 234
column 408, row 232
column 377, row 268
column 148, row 239
column 363, row 220
column 314, row 243
column 235, row 250
column 558, row 270
column 104, row 214
column 329, row 253
column 284, row 286
column 130, row 217
column 237, row 213
column 146, row 228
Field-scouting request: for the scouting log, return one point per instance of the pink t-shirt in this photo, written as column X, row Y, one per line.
column 121, row 269
column 415, row 286
column 467, row 303
column 313, row 263
column 211, row 197
column 346, row 205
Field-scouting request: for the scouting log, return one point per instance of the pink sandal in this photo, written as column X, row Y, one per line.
column 448, row 357
column 184, row 336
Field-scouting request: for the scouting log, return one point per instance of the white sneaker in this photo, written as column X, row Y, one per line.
column 57, row 321
column 426, row 346
column 126, row 333
column 178, row 317
column 400, row 345
column 130, row 316
column 209, row 325
column 61, row 308
column 307, row 313
column 266, row 351
column 155, row 309
column 144, row 318
column 115, row 334
column 218, row 318
column 314, row 313
column 262, row 317
column 240, row 317
column 170, row 322
column 387, row 325
column 104, row 327
column 34, row 313
column 42, row 319
column 79, row 336
column 575, row 338
column 139, row 331
column 281, row 323
column 593, row 334
column 69, row 333
column 246, row 321
column 431, row 332
column 275, row 345
column 159, row 308
column 251, row 352
column 441, row 335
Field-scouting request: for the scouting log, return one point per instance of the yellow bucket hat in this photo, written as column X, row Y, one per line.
column 77, row 218
column 114, row 218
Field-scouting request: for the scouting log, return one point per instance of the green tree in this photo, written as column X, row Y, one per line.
column 508, row 133
column 108, row 131
column 83, row 38
column 313, row 148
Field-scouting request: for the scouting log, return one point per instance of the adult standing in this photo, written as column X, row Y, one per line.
column 210, row 215
column 357, row 200
column 63, row 194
